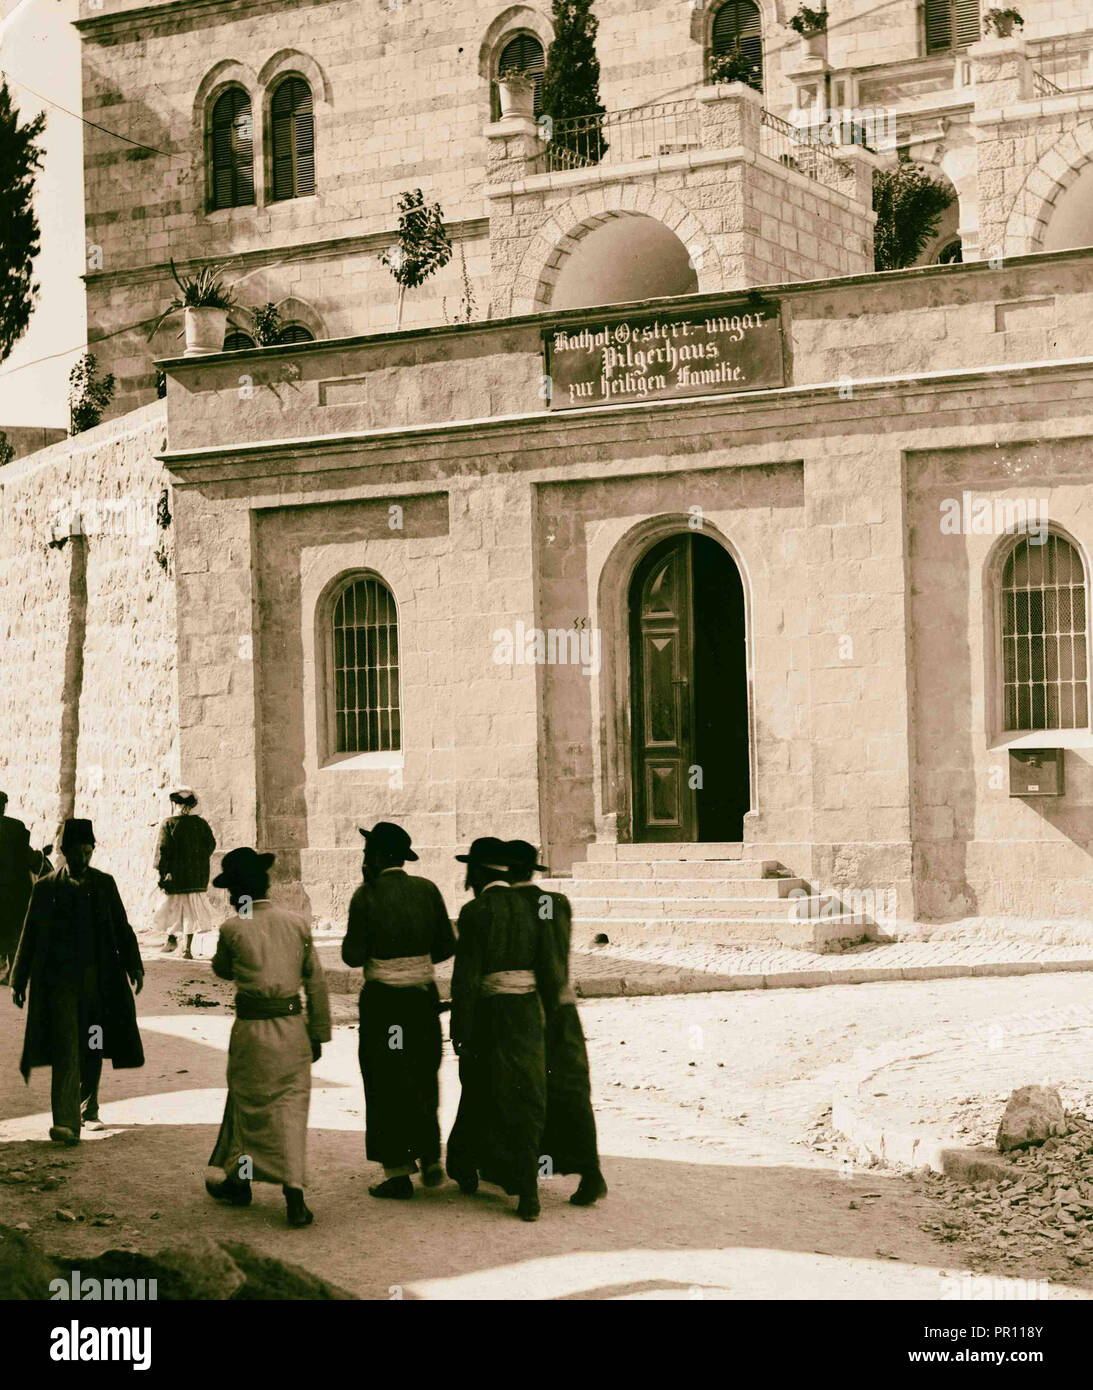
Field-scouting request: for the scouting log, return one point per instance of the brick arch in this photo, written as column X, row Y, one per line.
column 568, row 224
column 1054, row 172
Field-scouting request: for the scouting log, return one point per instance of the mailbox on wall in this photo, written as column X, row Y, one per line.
column 1036, row 772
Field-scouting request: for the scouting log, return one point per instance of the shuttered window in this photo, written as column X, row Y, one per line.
column 231, row 141
column 237, row 341
column 525, row 53
column 951, row 24
column 737, row 23
column 295, row 333
column 292, row 123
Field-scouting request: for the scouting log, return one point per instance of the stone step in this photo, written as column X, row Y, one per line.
column 593, row 871
column 675, row 908
column 729, row 849
column 581, row 890
column 720, row 931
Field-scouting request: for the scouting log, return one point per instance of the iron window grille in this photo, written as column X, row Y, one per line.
column 366, row 713
column 1044, row 637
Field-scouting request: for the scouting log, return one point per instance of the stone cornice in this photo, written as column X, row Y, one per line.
column 116, row 22
column 466, row 230
column 1035, row 108
column 750, row 411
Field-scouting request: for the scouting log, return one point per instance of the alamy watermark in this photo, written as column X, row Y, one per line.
column 578, row 645
column 970, row 515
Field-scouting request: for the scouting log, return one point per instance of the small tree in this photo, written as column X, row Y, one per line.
column 268, row 324
column 571, row 82
column 7, row 449
column 908, row 203
column 88, row 395
column 20, row 160
column 423, row 246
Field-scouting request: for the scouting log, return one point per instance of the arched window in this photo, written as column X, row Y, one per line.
column 236, row 341
column 737, row 25
column 295, row 333
column 523, row 53
column 231, row 150
column 1045, row 661
column 292, row 125
column 364, row 698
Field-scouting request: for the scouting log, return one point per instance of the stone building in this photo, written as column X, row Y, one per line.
column 748, row 582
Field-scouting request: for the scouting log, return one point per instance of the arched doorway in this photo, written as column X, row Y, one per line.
column 624, row 259
column 689, row 693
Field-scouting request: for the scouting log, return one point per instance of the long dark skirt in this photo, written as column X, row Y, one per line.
column 502, row 1108
column 399, row 1053
column 569, row 1136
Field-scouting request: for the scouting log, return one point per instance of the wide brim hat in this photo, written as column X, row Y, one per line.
column 488, row 852
column 184, row 796
column 390, row 838
column 522, row 855
column 78, row 832
column 241, row 865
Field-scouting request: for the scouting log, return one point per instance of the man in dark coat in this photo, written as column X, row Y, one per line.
column 505, row 978
column 569, row 1135
column 79, row 955
column 183, row 855
column 398, row 928
column 15, row 881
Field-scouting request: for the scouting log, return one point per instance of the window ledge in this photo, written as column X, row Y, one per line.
column 1045, row 738
column 356, row 762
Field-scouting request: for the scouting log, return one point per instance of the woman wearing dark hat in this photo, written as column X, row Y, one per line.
column 505, row 973
column 398, row 929
column 183, row 855
column 269, row 954
column 569, row 1135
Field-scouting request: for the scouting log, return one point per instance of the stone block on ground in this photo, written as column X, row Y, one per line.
column 1032, row 1114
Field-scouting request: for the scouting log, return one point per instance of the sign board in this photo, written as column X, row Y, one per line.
column 659, row 356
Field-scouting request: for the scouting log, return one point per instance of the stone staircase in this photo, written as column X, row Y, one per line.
column 721, row 894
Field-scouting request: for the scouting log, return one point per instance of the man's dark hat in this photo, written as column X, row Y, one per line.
column 241, row 866
column 389, row 839
column 488, row 852
column 77, row 832
column 184, row 796
column 521, row 855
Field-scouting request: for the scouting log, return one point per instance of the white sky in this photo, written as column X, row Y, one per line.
column 39, row 47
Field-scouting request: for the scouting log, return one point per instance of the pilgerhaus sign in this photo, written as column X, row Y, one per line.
column 659, row 356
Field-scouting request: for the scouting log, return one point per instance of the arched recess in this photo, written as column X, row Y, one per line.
column 567, row 225
column 291, row 309
column 377, row 684
column 288, row 60
column 994, row 661
column 227, row 73
column 612, row 752
column 514, row 20
column 1055, row 172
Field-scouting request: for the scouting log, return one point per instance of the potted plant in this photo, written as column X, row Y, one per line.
column 1001, row 23
column 205, row 302
column 516, row 93
column 812, row 27
column 734, row 65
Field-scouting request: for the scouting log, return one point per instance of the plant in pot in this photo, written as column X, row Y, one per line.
column 812, row 27
column 516, row 92
column 734, row 65
column 205, row 302
column 1001, row 23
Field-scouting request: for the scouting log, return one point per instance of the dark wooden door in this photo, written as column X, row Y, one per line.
column 662, row 694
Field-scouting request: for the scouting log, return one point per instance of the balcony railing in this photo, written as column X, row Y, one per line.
column 780, row 140
column 1065, row 64
column 621, row 137
column 1043, row 88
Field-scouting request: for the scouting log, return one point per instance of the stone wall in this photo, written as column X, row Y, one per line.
column 88, row 704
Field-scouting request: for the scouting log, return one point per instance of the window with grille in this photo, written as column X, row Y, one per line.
column 525, row 54
column 231, row 150
column 295, row 333
column 236, row 341
column 737, row 25
column 1044, row 656
column 292, row 127
column 951, row 24
column 365, row 669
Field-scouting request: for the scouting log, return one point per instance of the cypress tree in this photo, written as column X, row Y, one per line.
column 908, row 203
column 571, row 83
column 20, row 160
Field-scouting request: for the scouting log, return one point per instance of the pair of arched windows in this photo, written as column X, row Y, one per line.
column 291, row 126
column 237, row 339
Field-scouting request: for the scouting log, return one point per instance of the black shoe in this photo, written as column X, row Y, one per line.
column 432, row 1174
column 236, row 1194
column 61, row 1134
column 590, row 1189
column 468, row 1186
column 398, row 1188
column 299, row 1213
column 527, row 1209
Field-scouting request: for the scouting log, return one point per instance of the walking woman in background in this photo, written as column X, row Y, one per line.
column 269, row 954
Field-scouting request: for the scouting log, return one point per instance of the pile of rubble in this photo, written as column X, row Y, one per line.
column 1040, row 1218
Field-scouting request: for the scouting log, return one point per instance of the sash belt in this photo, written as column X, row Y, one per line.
column 509, row 982
column 258, row 1006
column 401, row 972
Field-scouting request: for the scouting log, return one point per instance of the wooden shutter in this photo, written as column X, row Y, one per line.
column 965, row 22
column 232, row 152
column 295, row 333
column 526, row 53
column 236, row 342
column 951, row 24
column 293, row 137
column 738, row 22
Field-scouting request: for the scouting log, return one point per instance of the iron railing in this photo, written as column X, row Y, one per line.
column 620, row 137
column 1043, row 88
column 1065, row 64
column 780, row 140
